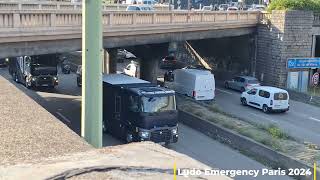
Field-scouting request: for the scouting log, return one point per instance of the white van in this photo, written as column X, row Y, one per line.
column 266, row 98
column 196, row 83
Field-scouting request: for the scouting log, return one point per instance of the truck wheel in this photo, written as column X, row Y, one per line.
column 265, row 109
column 28, row 84
column 129, row 137
column 226, row 85
column 78, row 82
column 15, row 77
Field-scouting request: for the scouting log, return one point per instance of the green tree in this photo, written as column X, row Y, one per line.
column 309, row 5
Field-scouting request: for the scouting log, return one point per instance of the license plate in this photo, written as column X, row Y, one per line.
column 45, row 85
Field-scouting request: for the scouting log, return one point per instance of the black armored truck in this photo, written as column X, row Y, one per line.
column 137, row 110
column 35, row 71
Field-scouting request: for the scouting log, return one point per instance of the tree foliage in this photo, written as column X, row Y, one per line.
column 309, row 5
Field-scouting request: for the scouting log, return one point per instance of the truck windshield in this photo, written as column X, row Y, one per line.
column 158, row 104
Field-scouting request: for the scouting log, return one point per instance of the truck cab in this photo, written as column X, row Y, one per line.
column 136, row 110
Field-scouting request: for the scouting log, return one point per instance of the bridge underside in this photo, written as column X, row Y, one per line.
column 47, row 44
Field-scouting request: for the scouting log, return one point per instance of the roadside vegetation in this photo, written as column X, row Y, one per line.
column 268, row 134
column 309, row 5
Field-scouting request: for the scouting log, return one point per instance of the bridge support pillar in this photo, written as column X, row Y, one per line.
column 150, row 56
column 149, row 69
column 110, row 61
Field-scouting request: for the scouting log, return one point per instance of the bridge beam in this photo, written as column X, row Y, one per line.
column 92, row 55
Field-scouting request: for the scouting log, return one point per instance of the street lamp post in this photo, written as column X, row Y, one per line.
column 92, row 55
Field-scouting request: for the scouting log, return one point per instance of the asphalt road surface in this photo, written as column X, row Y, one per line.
column 302, row 121
column 64, row 103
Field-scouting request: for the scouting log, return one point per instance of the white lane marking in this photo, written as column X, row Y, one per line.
column 63, row 117
column 314, row 119
column 260, row 116
column 223, row 91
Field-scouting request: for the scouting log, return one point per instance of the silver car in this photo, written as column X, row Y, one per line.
column 242, row 83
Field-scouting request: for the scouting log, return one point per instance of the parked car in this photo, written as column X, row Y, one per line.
column 168, row 62
column 266, row 98
column 79, row 76
column 196, row 83
column 223, row 7
column 140, row 8
column 242, row 83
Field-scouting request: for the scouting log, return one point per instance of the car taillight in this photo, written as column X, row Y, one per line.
column 271, row 102
column 193, row 93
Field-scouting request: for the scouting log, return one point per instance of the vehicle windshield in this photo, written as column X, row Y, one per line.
column 158, row 104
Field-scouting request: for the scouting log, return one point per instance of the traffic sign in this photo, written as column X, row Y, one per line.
column 301, row 63
column 315, row 79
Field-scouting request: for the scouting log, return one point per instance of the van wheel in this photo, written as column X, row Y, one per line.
column 129, row 137
column 243, row 101
column 226, row 85
column 265, row 109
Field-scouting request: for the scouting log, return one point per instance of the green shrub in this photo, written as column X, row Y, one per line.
column 276, row 132
column 309, row 5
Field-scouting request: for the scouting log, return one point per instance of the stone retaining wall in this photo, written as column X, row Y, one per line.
column 288, row 34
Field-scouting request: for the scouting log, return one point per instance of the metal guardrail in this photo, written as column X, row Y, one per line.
column 47, row 5
column 47, row 18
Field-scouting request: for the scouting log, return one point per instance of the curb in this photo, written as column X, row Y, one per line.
column 247, row 146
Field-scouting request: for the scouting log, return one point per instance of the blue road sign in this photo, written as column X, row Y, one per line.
column 301, row 63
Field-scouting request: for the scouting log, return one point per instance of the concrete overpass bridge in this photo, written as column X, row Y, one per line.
column 29, row 32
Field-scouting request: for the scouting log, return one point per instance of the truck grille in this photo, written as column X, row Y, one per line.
column 161, row 136
column 45, row 80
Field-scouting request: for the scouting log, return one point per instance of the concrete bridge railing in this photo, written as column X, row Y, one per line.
column 35, row 19
column 38, row 5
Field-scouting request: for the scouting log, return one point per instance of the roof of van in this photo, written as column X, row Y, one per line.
column 195, row 71
column 122, row 79
column 270, row 89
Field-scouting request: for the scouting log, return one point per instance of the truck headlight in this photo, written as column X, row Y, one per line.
column 34, row 79
column 55, row 78
column 175, row 131
column 144, row 134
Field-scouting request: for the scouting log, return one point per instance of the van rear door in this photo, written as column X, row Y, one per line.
column 281, row 100
column 204, row 88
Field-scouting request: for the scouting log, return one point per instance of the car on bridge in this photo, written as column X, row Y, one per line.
column 223, row 7
column 242, row 83
column 140, row 8
column 266, row 98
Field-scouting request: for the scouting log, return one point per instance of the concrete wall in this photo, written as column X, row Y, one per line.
column 289, row 34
